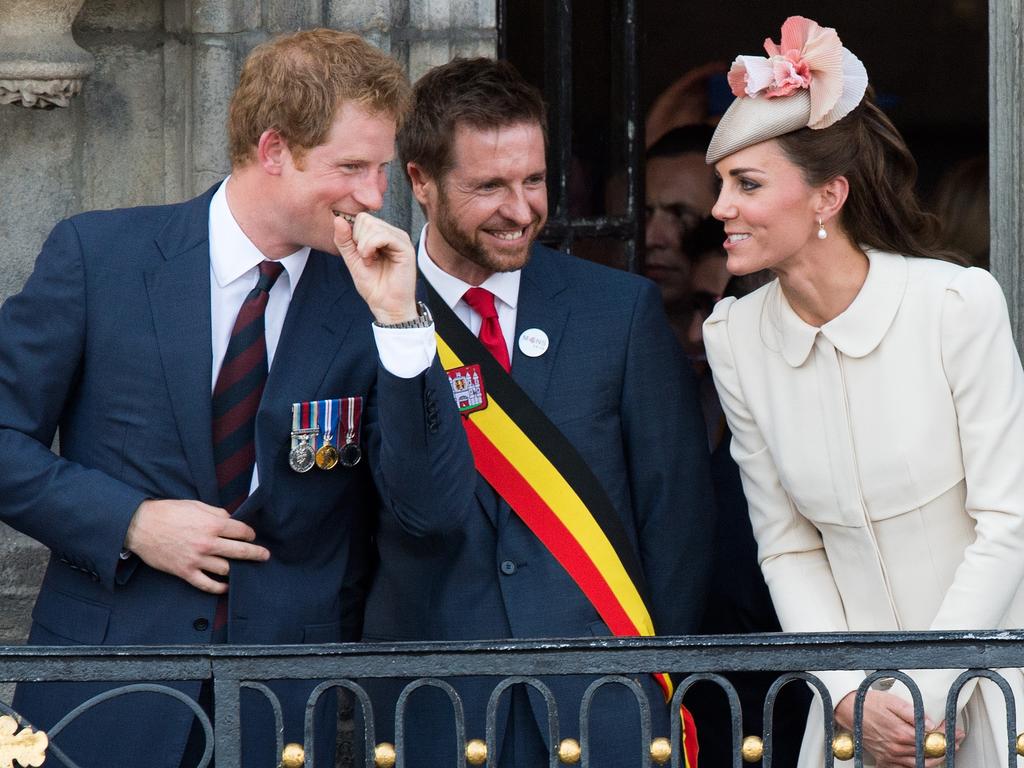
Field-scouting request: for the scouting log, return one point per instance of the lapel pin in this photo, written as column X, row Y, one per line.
column 533, row 342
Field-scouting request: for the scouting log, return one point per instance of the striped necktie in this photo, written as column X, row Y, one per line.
column 237, row 394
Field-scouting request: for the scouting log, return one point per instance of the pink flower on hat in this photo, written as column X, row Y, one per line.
column 788, row 74
column 809, row 56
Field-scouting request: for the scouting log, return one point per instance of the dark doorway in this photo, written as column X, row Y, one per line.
column 602, row 65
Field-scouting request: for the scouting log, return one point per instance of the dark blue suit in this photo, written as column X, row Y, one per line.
column 614, row 383
column 110, row 340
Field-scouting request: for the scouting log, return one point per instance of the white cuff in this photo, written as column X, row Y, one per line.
column 405, row 352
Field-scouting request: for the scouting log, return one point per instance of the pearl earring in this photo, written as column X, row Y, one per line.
column 822, row 234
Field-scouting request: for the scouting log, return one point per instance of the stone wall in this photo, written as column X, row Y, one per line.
column 148, row 128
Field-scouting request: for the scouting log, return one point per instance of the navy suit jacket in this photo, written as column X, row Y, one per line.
column 110, row 341
column 614, row 382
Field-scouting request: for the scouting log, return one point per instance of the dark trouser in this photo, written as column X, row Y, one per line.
column 523, row 746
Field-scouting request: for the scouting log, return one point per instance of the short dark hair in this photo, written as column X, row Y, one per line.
column 682, row 141
column 480, row 93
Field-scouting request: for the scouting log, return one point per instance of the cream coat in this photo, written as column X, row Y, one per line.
column 882, row 457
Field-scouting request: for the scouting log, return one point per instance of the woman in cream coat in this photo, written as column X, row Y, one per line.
column 875, row 396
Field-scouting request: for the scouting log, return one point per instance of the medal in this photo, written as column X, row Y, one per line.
column 468, row 388
column 312, row 419
column 300, row 457
column 327, row 455
column 350, row 408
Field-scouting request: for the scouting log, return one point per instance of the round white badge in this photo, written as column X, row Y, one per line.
column 533, row 342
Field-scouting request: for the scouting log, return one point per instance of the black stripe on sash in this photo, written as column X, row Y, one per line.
column 541, row 431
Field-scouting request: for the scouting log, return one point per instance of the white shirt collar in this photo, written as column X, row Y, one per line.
column 232, row 253
column 504, row 285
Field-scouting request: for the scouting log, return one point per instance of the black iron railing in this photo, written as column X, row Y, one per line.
column 512, row 662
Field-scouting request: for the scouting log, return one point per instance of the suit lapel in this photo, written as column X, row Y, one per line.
column 179, row 295
column 539, row 307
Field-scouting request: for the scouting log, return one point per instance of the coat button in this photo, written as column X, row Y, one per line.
column 508, row 567
column 200, row 625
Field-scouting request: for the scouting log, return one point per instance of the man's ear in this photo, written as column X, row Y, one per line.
column 423, row 186
column 271, row 152
column 831, row 198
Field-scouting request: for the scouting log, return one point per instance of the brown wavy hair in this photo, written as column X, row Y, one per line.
column 477, row 92
column 296, row 84
column 882, row 209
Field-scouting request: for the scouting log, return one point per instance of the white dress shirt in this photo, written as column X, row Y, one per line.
column 504, row 286
column 234, row 270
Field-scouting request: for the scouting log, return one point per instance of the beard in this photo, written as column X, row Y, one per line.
column 467, row 244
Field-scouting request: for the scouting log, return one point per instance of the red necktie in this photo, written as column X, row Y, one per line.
column 482, row 302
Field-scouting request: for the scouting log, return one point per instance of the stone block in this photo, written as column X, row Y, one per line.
column 225, row 16
column 123, row 131
column 426, row 54
column 399, row 13
column 39, row 167
column 177, row 157
column 473, row 13
column 122, row 15
column 213, row 82
column 290, row 15
column 24, row 563
column 430, row 14
column 360, row 15
column 398, row 202
column 478, row 46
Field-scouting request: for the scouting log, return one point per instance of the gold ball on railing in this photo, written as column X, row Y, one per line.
column 476, row 752
column 842, row 745
column 569, row 751
column 661, row 750
column 293, row 756
column 1020, row 744
column 384, row 755
column 752, row 749
column 934, row 744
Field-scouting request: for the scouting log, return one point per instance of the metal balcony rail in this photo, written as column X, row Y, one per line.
column 612, row 661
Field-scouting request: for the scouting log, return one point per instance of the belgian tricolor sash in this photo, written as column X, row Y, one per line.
column 534, row 468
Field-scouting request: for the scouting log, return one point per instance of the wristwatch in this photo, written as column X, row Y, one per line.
column 423, row 320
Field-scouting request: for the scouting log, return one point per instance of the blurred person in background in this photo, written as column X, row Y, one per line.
column 961, row 204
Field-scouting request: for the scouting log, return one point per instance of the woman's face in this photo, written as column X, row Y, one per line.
column 769, row 211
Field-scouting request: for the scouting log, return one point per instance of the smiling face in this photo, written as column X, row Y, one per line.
column 347, row 174
column 770, row 213
column 487, row 210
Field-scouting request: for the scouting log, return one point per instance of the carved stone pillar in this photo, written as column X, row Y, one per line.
column 40, row 63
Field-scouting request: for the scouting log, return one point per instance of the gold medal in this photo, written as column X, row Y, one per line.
column 327, row 456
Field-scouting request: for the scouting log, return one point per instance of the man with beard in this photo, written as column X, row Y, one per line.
column 592, row 509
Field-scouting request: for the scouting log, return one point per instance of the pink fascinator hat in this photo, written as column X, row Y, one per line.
column 808, row 80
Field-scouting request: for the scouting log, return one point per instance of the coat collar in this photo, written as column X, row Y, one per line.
column 859, row 329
